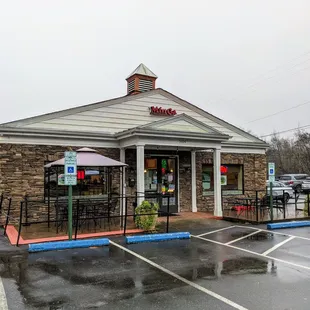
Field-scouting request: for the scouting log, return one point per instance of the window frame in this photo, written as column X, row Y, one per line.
column 224, row 192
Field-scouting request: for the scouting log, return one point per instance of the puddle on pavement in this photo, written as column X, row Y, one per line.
column 262, row 235
column 82, row 278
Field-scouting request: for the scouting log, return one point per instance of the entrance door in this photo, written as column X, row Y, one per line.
column 161, row 178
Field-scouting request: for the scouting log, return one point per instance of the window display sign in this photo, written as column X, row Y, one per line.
column 223, row 179
column 61, row 179
column 81, row 174
column 224, row 169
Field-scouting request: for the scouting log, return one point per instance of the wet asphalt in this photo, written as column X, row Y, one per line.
column 110, row 278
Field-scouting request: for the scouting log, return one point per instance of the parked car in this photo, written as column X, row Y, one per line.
column 280, row 191
column 306, row 185
column 294, row 180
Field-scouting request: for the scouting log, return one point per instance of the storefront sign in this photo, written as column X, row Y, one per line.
column 162, row 111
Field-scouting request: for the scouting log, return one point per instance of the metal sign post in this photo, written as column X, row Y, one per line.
column 271, row 178
column 70, row 180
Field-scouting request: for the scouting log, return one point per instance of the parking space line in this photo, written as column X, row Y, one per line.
column 254, row 253
column 214, row 231
column 192, row 284
column 275, row 232
column 277, row 246
column 246, row 236
column 3, row 300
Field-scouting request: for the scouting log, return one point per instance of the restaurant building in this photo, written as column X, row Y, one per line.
column 170, row 146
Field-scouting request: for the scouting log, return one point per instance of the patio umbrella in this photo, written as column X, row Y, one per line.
column 87, row 157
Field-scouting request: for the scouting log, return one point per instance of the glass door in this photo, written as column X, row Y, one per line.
column 168, row 184
column 160, row 181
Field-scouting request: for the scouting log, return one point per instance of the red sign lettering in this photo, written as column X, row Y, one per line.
column 162, row 111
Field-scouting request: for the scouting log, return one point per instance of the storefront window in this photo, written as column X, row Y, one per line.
column 91, row 181
column 231, row 179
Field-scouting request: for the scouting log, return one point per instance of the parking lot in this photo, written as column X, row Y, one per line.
column 222, row 267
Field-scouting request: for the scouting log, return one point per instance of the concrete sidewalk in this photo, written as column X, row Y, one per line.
column 10, row 252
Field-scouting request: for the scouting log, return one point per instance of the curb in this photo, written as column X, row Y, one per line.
column 288, row 225
column 63, row 245
column 157, row 237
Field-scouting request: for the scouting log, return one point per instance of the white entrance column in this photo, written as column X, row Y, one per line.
column 140, row 173
column 217, row 182
column 123, row 180
column 194, row 195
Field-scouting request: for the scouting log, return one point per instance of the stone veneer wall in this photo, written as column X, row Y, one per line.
column 255, row 174
column 22, row 170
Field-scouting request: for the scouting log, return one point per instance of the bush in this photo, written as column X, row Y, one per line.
column 148, row 221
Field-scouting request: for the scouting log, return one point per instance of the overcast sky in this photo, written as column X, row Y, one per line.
column 238, row 59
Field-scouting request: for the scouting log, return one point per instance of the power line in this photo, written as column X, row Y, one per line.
column 262, row 76
column 279, row 112
column 267, row 78
column 288, row 130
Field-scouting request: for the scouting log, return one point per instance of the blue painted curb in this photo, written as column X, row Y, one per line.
column 157, row 237
column 288, row 225
column 62, row 245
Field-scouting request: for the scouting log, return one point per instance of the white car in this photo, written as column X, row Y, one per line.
column 305, row 186
column 280, row 191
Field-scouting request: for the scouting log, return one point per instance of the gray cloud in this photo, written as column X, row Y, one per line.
column 240, row 60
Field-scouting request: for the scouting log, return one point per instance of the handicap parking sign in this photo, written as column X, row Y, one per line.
column 70, row 169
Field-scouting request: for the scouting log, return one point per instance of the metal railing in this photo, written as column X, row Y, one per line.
column 260, row 207
column 88, row 214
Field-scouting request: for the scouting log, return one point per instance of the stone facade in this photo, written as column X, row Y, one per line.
column 254, row 174
column 22, row 172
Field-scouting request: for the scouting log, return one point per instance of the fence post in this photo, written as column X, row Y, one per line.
column 1, row 201
column 26, row 209
column 256, row 204
column 284, row 203
column 271, row 203
column 77, row 218
column 20, row 222
column 48, row 210
column 125, row 219
column 7, row 216
column 57, row 213
column 168, row 214
column 308, row 204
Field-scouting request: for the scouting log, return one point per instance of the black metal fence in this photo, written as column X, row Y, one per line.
column 261, row 207
column 114, row 213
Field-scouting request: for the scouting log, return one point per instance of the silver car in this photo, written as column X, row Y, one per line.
column 280, row 191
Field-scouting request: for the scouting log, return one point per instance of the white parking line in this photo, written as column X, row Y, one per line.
column 277, row 246
column 254, row 253
column 192, row 284
column 3, row 300
column 275, row 232
column 246, row 236
column 214, row 231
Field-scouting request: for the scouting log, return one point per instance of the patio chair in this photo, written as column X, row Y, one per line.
column 61, row 208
